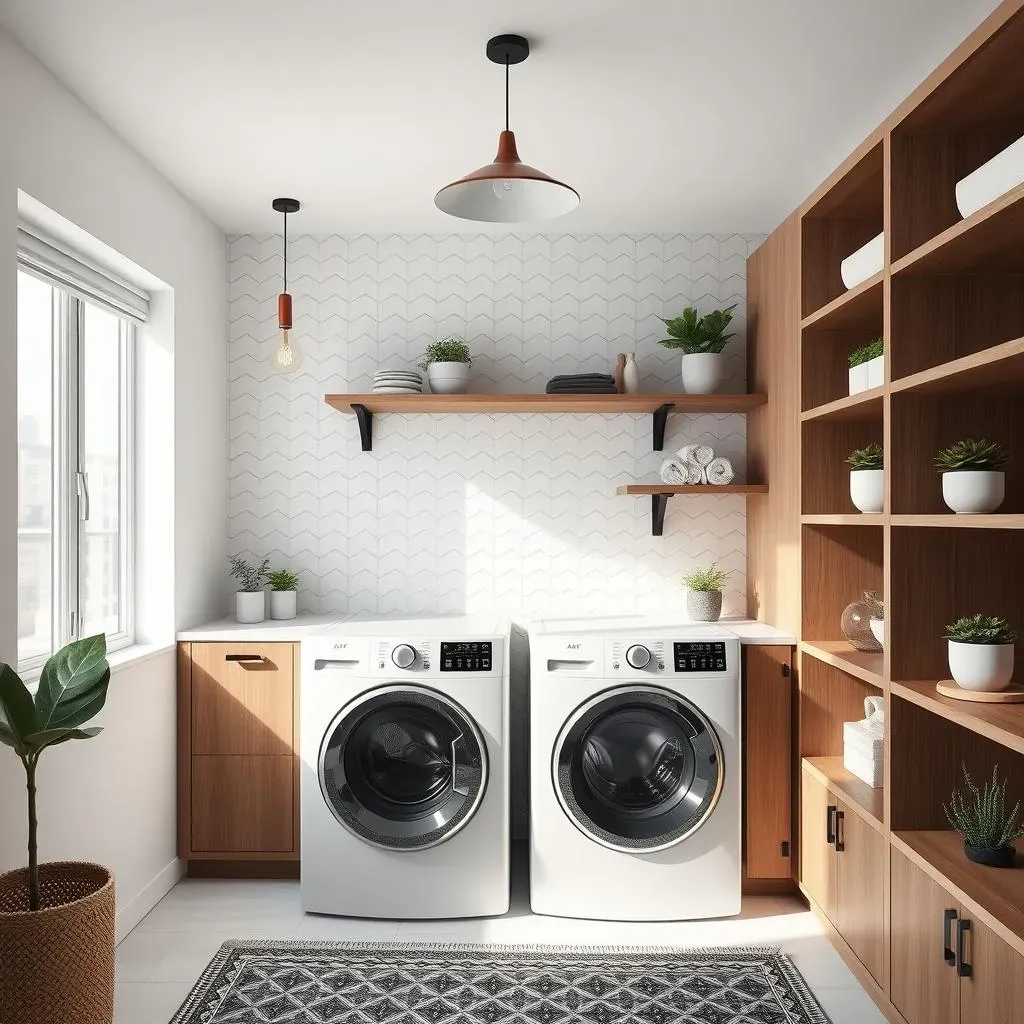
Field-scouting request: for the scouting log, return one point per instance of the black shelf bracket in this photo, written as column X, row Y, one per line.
column 659, row 502
column 365, row 420
column 660, row 419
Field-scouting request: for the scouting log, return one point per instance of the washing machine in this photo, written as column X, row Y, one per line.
column 405, row 769
column 635, row 771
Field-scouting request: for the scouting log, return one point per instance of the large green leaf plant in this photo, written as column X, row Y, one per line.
column 696, row 334
column 72, row 689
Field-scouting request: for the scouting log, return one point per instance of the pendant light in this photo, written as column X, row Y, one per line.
column 507, row 191
column 286, row 358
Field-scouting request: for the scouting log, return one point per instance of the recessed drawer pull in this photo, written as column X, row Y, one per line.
column 244, row 657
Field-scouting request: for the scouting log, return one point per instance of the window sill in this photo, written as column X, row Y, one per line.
column 136, row 654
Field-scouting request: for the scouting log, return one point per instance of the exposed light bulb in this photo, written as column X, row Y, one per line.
column 286, row 358
column 506, row 189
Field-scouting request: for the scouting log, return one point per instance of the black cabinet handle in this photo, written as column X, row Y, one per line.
column 948, row 917
column 963, row 968
column 830, row 824
column 840, row 832
column 243, row 657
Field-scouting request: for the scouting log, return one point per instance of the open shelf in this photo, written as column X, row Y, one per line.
column 864, row 407
column 845, row 519
column 996, row 369
column 865, row 800
column 858, row 307
column 963, row 521
column 841, row 654
column 660, row 493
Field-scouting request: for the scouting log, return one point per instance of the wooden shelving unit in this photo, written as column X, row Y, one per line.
column 865, row 406
column 660, row 493
column 862, row 665
column 869, row 802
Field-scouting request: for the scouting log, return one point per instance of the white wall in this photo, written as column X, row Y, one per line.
column 114, row 800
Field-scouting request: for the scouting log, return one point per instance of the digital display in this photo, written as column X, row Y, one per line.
column 694, row 656
column 474, row 656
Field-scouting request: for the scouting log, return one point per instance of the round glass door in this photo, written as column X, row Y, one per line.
column 638, row 768
column 403, row 767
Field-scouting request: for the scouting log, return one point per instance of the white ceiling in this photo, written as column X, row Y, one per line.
column 665, row 115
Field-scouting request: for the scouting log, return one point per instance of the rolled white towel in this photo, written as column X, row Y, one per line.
column 673, row 471
column 699, row 454
column 719, row 472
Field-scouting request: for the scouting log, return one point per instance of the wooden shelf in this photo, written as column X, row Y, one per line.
column 865, row 665
column 995, row 895
column 990, row 521
column 868, row 802
column 845, row 519
column 997, row 369
column 859, row 307
column 1001, row 723
column 864, row 407
column 660, row 493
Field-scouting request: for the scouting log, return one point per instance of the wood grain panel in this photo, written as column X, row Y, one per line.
column 825, row 374
column 994, row 993
column 768, row 761
column 826, row 242
column 860, row 890
column 826, row 444
column 184, row 746
column 839, row 564
column 828, row 698
column 243, row 804
column 817, row 857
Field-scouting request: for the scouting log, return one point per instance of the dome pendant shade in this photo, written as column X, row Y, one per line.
column 507, row 191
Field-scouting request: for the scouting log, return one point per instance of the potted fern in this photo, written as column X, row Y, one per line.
column 980, row 816
column 56, row 918
column 972, row 475
column 867, row 478
column 284, row 585
column 701, row 339
column 867, row 367
column 447, row 364
column 250, row 604
column 704, row 593
column 981, row 652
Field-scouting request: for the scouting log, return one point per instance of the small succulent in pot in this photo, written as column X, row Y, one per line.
column 704, row 593
column 283, row 597
column 447, row 363
column 981, row 817
column 250, row 604
column 867, row 478
column 701, row 340
column 981, row 652
column 867, row 366
column 973, row 480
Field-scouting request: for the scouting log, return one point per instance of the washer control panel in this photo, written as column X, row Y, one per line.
column 639, row 655
column 699, row 656
column 466, row 656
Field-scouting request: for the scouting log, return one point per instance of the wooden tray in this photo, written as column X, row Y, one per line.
column 1013, row 695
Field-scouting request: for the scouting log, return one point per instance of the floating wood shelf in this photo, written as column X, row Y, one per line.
column 660, row 493
column 845, row 519
column 859, row 307
column 863, row 407
column 843, row 655
column 997, row 369
column 865, row 800
column 365, row 406
column 964, row 521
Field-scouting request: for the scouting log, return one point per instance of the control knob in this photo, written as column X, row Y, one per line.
column 404, row 655
column 638, row 656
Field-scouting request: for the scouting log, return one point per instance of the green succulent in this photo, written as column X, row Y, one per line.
column 447, row 350
column 971, row 454
column 711, row 578
column 283, row 579
column 696, row 334
column 980, row 816
column 980, row 629
column 870, row 456
column 867, row 352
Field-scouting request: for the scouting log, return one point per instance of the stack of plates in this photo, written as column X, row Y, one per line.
column 397, row 382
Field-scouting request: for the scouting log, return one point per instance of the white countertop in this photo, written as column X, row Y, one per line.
column 749, row 631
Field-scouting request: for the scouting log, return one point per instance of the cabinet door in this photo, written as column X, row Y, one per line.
column 860, row 889
column 768, row 768
column 242, row 698
column 923, row 986
column 817, row 856
column 994, row 992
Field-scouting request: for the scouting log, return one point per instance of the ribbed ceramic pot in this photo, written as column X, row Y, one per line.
column 448, row 378
column 704, row 605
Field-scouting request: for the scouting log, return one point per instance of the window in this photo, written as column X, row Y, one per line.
column 76, row 342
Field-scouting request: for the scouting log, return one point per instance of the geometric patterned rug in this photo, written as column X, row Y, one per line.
column 419, row 983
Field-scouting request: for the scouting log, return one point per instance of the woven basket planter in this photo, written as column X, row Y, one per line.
column 57, row 964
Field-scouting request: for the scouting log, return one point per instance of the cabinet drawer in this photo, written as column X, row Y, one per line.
column 243, row 804
column 242, row 698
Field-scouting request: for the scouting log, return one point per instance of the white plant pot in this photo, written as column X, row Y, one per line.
column 448, row 378
column 283, row 604
column 877, row 627
column 702, row 372
column 990, row 181
column 250, row 606
column 867, row 489
column 875, row 371
column 971, row 490
column 984, row 667
column 859, row 378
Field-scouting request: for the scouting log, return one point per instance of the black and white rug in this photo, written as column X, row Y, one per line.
column 395, row 983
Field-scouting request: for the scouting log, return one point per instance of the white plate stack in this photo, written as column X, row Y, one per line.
column 397, row 382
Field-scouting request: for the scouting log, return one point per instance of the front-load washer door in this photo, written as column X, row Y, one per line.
column 403, row 767
column 638, row 768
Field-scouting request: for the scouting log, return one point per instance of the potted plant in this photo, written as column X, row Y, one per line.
column 56, row 918
column 867, row 367
column 867, row 478
column 972, row 475
column 704, row 593
column 981, row 652
column 447, row 364
column 701, row 339
column 283, row 586
column 980, row 816
column 250, row 604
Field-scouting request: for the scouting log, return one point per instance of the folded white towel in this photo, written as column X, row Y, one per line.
column 867, row 261
column 719, row 472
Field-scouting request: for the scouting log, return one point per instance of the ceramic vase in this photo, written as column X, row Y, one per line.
column 631, row 375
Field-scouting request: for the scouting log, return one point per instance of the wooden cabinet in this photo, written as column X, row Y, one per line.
column 768, row 762
column 817, row 853
column 237, row 752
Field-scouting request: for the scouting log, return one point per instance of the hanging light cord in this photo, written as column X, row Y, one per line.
column 285, row 254
column 506, row 93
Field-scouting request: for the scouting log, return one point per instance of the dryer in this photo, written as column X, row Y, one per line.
column 635, row 771
column 404, row 793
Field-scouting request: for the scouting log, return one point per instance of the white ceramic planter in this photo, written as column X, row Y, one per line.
column 867, row 261
column 867, row 489
column 448, row 378
column 984, row 667
column 283, row 604
column 971, row 490
column 702, row 372
column 878, row 630
column 875, row 371
column 250, row 606
column 859, row 378
column 704, row 605
column 990, row 181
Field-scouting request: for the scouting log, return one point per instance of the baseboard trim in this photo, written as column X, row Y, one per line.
column 770, row 887
column 243, row 869
column 147, row 898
